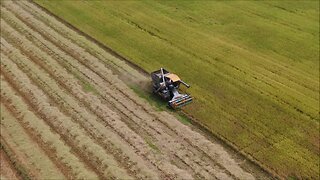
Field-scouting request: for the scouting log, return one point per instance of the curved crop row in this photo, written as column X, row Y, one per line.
column 29, row 154
column 40, row 130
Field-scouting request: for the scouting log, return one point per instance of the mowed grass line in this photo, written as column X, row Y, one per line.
column 253, row 67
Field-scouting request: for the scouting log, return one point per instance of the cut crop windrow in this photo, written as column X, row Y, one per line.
column 93, row 153
column 35, row 159
column 71, row 165
column 18, row 158
column 8, row 168
column 15, row 159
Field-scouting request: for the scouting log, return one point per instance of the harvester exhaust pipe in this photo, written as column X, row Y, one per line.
column 187, row 85
column 162, row 74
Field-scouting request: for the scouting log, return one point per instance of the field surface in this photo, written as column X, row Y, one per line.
column 67, row 114
column 253, row 66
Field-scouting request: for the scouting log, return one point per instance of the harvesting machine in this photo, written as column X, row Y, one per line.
column 166, row 85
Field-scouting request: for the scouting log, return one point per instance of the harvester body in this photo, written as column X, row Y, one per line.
column 166, row 85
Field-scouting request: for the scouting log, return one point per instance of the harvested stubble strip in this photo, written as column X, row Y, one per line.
column 88, row 121
column 186, row 159
column 16, row 158
column 8, row 169
column 117, row 84
column 63, row 76
column 96, row 155
column 197, row 140
column 75, row 168
column 82, row 41
column 35, row 158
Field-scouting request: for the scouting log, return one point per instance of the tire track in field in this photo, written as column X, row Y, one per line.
column 20, row 43
column 105, row 165
column 195, row 165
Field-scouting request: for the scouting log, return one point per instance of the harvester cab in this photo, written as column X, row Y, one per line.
column 166, row 85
